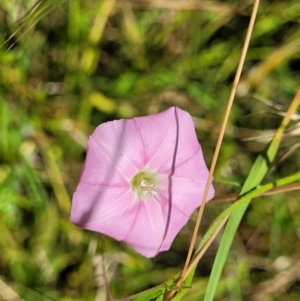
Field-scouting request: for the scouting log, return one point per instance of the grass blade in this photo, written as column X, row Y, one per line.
column 256, row 175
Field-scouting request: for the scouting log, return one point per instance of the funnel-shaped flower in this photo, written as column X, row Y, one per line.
column 142, row 179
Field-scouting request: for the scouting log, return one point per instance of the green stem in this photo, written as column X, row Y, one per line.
column 244, row 199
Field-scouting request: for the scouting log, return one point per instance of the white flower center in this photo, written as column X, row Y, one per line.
column 148, row 188
column 144, row 184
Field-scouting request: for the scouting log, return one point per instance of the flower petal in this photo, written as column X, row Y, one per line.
column 153, row 130
column 99, row 168
column 185, row 194
column 185, row 187
column 179, row 145
column 121, row 141
column 183, row 205
column 165, row 144
column 193, row 168
column 147, row 231
column 177, row 221
column 93, row 204
column 184, row 191
column 119, row 226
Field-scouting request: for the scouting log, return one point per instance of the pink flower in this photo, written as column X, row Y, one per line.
column 142, row 179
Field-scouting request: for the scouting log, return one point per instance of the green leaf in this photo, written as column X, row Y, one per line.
column 255, row 177
column 151, row 296
column 148, row 295
column 160, row 298
column 244, row 199
column 38, row 11
column 186, row 286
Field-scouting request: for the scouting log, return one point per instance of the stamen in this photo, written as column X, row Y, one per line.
column 149, row 189
column 144, row 183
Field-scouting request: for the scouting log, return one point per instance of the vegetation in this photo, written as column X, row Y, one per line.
column 67, row 66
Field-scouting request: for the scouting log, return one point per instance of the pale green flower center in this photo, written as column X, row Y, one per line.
column 144, row 184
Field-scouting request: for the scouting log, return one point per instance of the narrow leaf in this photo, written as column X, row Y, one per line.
column 256, row 175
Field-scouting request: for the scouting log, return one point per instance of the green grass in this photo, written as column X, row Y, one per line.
column 72, row 65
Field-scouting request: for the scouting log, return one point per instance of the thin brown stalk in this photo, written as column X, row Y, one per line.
column 203, row 250
column 276, row 140
column 222, row 132
column 216, row 6
column 197, row 258
column 234, row 196
column 8, row 293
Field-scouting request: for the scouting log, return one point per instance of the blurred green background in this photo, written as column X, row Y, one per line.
column 67, row 66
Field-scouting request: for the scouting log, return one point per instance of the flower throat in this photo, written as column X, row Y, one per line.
column 144, row 184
